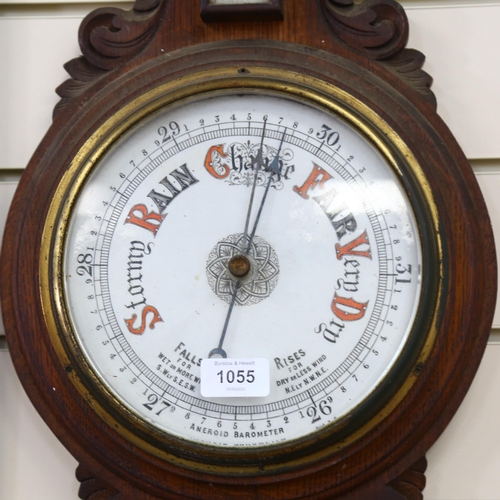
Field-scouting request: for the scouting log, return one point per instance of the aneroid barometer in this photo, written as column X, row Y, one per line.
column 245, row 260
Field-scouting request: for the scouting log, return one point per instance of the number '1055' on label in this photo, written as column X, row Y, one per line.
column 234, row 378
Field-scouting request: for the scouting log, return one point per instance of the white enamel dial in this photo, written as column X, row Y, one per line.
column 332, row 290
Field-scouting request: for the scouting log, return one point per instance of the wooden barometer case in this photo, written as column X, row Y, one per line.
column 248, row 260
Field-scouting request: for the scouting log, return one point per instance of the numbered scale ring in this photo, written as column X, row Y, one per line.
column 242, row 276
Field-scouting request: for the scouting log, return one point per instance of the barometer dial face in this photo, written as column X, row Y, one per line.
column 243, row 230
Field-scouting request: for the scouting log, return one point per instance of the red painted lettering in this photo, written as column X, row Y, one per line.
column 317, row 176
column 352, row 248
column 144, row 316
column 348, row 309
column 140, row 216
column 213, row 162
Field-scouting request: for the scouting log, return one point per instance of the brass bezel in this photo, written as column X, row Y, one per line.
column 320, row 93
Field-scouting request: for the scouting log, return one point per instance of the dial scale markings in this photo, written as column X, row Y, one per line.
column 119, row 204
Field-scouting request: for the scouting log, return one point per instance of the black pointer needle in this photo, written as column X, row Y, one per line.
column 273, row 168
column 259, row 161
column 218, row 350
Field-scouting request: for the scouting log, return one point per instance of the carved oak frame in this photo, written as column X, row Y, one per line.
column 360, row 47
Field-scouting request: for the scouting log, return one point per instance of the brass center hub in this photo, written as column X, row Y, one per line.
column 239, row 266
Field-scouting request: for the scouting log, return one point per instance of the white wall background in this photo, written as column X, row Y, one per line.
column 461, row 40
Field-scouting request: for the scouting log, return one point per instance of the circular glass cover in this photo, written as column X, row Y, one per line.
column 258, row 236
